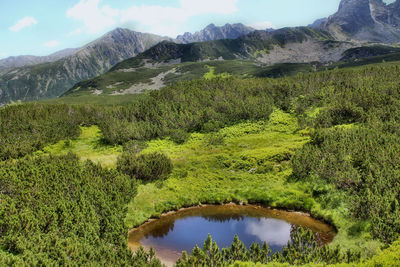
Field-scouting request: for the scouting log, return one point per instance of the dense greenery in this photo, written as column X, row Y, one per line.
column 185, row 107
column 58, row 211
column 303, row 249
column 145, row 167
column 228, row 139
column 27, row 128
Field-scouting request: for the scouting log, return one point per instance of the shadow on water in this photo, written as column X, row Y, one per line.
column 182, row 230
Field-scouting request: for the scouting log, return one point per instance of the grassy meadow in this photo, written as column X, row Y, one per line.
column 88, row 146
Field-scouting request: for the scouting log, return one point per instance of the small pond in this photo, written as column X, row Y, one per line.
column 182, row 230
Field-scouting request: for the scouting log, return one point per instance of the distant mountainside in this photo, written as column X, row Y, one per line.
column 32, row 78
column 294, row 45
column 253, row 54
column 20, row 61
column 212, row 32
column 52, row 79
column 325, row 41
column 365, row 20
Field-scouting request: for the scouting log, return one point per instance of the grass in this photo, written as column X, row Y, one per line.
column 88, row 146
column 116, row 80
column 211, row 74
column 245, row 163
column 249, row 163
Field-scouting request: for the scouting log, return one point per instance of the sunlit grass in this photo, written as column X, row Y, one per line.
column 250, row 165
column 88, row 146
column 211, row 74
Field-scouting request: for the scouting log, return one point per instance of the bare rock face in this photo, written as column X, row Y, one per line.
column 353, row 15
column 365, row 20
column 394, row 14
column 212, row 32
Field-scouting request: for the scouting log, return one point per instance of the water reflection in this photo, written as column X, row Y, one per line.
column 272, row 231
column 224, row 217
column 182, row 230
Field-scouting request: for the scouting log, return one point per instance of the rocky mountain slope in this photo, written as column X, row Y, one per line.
column 356, row 22
column 255, row 54
column 31, row 78
column 20, row 61
column 212, row 32
column 294, row 45
column 365, row 20
column 52, row 79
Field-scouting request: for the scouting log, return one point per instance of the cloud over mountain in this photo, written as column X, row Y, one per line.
column 163, row 20
column 23, row 23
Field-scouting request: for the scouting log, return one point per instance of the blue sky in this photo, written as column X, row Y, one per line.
column 41, row 27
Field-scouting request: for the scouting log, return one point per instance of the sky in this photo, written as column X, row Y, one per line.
column 41, row 27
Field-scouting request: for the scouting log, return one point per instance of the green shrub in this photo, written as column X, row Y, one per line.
column 58, row 211
column 179, row 136
column 215, row 139
column 303, row 249
column 146, row 167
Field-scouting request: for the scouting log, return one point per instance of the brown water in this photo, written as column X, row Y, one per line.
column 182, row 230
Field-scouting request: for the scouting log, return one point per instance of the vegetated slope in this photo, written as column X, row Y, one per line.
column 123, row 82
column 163, row 63
column 52, row 79
column 23, row 78
column 134, row 76
column 258, row 44
column 365, row 20
column 347, row 174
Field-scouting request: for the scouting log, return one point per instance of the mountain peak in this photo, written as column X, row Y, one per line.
column 365, row 20
column 213, row 32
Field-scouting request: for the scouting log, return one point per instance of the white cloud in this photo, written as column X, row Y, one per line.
column 52, row 43
column 3, row 55
column 163, row 20
column 23, row 23
column 272, row 231
column 196, row 7
column 155, row 19
column 74, row 32
column 262, row 25
column 94, row 18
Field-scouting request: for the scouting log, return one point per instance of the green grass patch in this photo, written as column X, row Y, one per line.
column 211, row 74
column 250, row 163
column 88, row 146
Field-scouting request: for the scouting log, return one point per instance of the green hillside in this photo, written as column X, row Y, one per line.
column 142, row 79
column 167, row 63
column 325, row 143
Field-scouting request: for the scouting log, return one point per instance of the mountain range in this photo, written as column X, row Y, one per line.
column 31, row 81
column 20, row 61
column 364, row 20
column 355, row 25
column 212, row 32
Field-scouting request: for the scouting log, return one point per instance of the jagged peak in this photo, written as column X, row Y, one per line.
column 211, row 25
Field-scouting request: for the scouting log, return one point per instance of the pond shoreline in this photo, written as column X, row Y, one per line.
column 138, row 236
column 255, row 205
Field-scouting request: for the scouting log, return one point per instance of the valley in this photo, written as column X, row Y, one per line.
column 229, row 146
